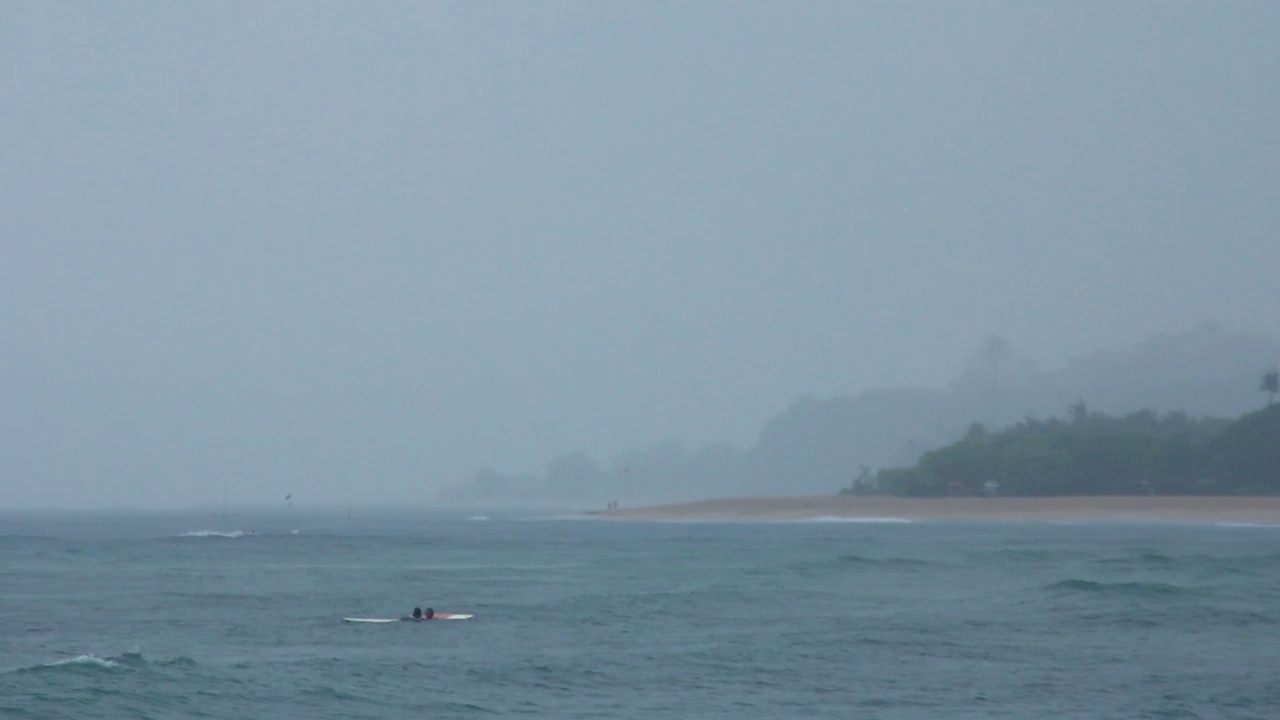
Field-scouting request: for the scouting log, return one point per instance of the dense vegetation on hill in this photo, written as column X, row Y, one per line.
column 812, row 446
column 1095, row 454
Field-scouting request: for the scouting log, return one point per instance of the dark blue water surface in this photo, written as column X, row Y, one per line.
column 158, row 616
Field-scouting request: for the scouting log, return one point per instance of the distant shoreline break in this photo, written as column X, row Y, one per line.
column 1264, row 510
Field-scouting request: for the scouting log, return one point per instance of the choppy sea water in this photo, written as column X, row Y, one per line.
column 181, row 616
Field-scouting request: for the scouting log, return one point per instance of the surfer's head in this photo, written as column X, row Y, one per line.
column 430, row 613
column 417, row 613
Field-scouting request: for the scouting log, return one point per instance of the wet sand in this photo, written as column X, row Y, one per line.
column 1262, row 510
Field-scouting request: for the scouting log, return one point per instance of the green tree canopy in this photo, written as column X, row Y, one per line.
column 1096, row 454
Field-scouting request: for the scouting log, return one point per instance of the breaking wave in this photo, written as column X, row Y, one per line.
column 92, row 663
column 86, row 660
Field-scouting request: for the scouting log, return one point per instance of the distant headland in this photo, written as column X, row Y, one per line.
column 1175, row 415
column 1088, row 454
column 1088, row 467
column 1213, row 510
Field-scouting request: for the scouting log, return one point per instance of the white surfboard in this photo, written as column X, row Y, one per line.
column 438, row 616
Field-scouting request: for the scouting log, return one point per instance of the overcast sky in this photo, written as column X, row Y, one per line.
column 612, row 223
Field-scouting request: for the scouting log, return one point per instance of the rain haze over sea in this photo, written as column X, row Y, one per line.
column 173, row 616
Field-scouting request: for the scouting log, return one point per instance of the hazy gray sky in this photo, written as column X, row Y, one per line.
column 597, row 225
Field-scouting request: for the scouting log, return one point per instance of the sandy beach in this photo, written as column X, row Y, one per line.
column 1260, row 510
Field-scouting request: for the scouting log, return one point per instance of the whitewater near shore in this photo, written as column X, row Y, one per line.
column 1260, row 510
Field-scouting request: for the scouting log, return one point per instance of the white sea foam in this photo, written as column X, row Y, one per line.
column 214, row 533
column 85, row 660
column 1244, row 525
column 833, row 518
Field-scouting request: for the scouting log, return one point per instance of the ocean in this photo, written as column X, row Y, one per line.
column 134, row 616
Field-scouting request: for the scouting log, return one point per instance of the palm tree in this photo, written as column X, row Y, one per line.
column 1271, row 385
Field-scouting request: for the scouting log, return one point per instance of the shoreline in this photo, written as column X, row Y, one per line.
column 1264, row 510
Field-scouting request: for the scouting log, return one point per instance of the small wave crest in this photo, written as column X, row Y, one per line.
column 1134, row 589
column 1028, row 556
column 1243, row 525
column 213, row 533
column 837, row 519
column 847, row 563
column 79, row 663
column 1149, row 559
column 882, row 562
column 328, row 692
column 89, row 662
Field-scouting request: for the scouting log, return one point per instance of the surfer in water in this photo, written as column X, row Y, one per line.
column 419, row 615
